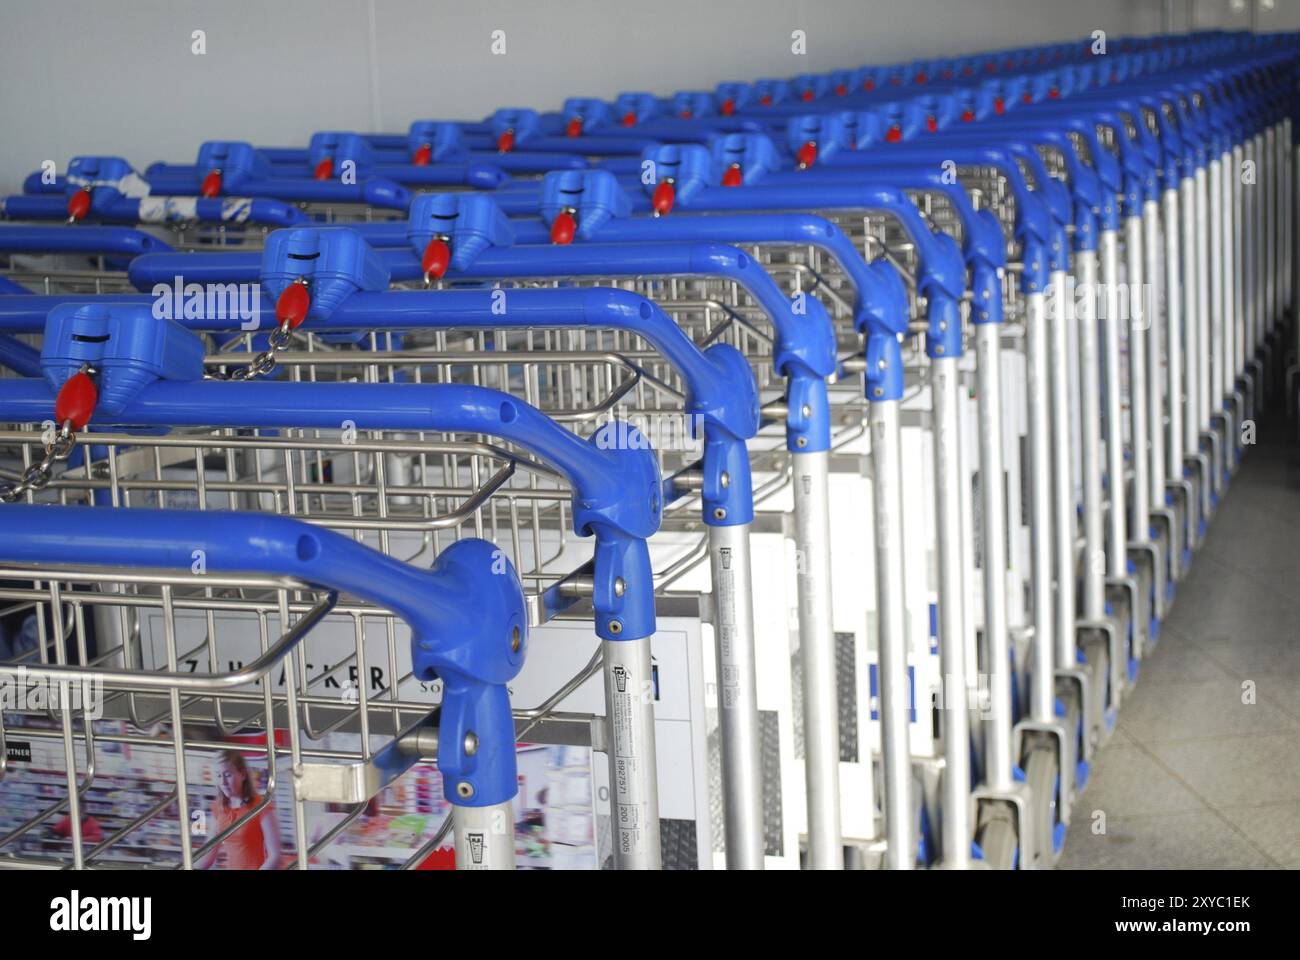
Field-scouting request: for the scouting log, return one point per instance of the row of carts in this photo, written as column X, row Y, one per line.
column 821, row 453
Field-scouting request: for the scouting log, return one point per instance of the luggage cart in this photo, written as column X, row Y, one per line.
column 615, row 490
column 78, row 567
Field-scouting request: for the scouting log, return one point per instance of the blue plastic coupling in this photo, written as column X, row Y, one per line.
column 1037, row 265
column 520, row 123
column 1058, row 249
column 621, row 518
column 727, row 414
column 986, row 290
column 336, row 262
column 129, row 346
column 468, row 223
column 108, row 180
column 883, row 319
column 805, row 356
column 1086, row 236
column 340, row 147
column 444, row 140
column 591, row 197
column 592, row 113
column 238, row 162
column 808, row 413
column 688, row 166
column 753, row 155
column 884, row 373
column 476, row 732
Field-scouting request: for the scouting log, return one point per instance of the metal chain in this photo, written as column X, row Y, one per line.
column 264, row 362
column 38, row 475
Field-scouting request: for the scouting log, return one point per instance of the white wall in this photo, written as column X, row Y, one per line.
column 1270, row 15
column 93, row 76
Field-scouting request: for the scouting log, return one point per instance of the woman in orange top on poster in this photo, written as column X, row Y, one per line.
column 256, row 844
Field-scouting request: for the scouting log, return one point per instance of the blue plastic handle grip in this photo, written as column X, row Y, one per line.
column 1137, row 166
column 478, row 176
column 19, row 357
column 451, row 408
column 84, row 239
column 374, row 191
column 930, row 246
column 793, row 229
column 807, row 336
column 720, row 388
column 296, row 162
column 26, row 312
column 595, row 145
column 614, row 475
column 126, row 210
column 719, row 381
column 250, row 543
column 463, row 613
column 237, row 266
column 984, row 244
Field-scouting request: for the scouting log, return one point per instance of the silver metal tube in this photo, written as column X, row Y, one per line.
column 1200, row 359
column 957, row 829
column 1155, row 354
column 1174, row 287
column 1043, row 689
column 1288, row 214
column 1187, row 389
column 485, row 836
column 998, row 754
column 1248, row 195
column 821, row 730
column 1238, row 264
column 630, row 743
column 1294, row 180
column 1262, row 323
column 891, row 616
column 1094, row 571
column 1063, row 505
column 1270, row 227
column 1279, row 225
column 1074, row 375
column 1227, row 366
column 1140, row 311
column 1214, row 360
column 1112, row 377
column 742, row 770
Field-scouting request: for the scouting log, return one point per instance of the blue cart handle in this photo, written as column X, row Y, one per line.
column 718, row 380
column 617, row 491
column 19, row 357
column 719, row 383
column 107, row 241
column 374, row 191
column 467, row 614
column 158, row 209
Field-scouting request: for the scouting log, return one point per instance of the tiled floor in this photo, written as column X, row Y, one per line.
column 1196, row 774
